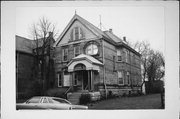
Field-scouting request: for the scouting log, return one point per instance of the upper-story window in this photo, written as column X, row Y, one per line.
column 65, row 54
column 126, row 55
column 77, row 33
column 92, row 49
column 76, row 50
column 119, row 55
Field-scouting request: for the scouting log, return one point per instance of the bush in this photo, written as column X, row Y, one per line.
column 85, row 98
column 154, row 87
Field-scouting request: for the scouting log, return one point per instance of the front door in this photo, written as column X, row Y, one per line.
column 81, row 80
column 85, row 80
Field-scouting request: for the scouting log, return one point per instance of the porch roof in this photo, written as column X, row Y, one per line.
column 90, row 62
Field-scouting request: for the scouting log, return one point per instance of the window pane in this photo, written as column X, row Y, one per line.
column 55, row 100
column 76, row 33
column 45, row 100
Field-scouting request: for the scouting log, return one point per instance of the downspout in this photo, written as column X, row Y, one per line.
column 104, row 74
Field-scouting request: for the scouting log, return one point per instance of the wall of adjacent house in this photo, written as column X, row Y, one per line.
column 24, row 72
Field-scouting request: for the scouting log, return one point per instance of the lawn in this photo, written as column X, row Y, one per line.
column 152, row 101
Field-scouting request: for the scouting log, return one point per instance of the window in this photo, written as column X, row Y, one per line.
column 119, row 55
column 45, row 100
column 128, row 78
column 65, row 54
column 92, row 49
column 59, row 80
column 126, row 55
column 76, row 51
column 57, row 100
column 114, row 63
column 77, row 33
column 120, row 78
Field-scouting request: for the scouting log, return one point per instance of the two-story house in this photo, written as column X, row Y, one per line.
column 28, row 73
column 89, row 59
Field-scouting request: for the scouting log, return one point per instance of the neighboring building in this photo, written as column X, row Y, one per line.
column 89, row 59
column 28, row 75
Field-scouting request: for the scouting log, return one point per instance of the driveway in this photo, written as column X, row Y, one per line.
column 152, row 101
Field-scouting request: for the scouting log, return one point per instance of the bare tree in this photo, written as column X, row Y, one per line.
column 155, row 66
column 152, row 61
column 43, row 33
column 144, row 49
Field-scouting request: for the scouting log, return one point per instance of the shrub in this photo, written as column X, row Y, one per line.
column 154, row 87
column 85, row 98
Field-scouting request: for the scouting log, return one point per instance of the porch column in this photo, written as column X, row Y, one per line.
column 72, row 83
column 92, row 77
column 89, row 83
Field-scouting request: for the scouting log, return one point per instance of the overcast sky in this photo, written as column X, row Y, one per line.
column 137, row 23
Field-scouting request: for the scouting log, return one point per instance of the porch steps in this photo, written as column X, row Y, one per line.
column 75, row 96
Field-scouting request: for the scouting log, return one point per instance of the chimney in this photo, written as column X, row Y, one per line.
column 124, row 38
column 110, row 30
column 51, row 34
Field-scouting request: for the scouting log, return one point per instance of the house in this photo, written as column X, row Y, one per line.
column 89, row 59
column 28, row 75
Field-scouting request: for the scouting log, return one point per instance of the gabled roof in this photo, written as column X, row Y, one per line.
column 113, row 37
column 86, row 57
column 107, row 35
column 24, row 44
column 90, row 26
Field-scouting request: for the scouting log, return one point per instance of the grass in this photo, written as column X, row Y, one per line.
column 152, row 101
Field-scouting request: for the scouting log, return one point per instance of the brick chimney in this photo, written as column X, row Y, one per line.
column 124, row 38
column 110, row 30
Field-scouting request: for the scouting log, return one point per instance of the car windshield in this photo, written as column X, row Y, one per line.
column 57, row 100
column 34, row 100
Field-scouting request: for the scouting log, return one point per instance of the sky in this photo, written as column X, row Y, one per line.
column 136, row 23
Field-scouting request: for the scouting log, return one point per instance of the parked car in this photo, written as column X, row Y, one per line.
column 52, row 103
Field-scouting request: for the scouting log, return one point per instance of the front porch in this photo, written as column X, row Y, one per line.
column 82, row 70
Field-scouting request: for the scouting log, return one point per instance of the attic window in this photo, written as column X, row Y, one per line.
column 77, row 34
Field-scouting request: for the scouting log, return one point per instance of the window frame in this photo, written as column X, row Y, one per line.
column 119, row 54
column 128, row 78
column 120, row 78
column 90, row 47
column 59, row 74
column 63, row 54
column 76, row 33
column 79, row 52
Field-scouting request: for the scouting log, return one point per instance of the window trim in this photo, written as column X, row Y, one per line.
column 60, row 73
column 119, row 54
column 63, row 51
column 120, row 78
column 128, row 78
column 78, row 50
column 79, row 33
column 92, row 49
